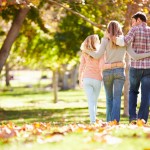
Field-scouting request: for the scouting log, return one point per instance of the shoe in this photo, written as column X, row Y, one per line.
column 133, row 122
column 141, row 122
column 112, row 123
column 101, row 123
column 93, row 123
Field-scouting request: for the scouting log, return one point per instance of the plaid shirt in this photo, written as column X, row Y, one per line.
column 140, row 38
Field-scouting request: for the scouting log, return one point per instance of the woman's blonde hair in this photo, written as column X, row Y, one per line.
column 90, row 42
column 114, row 29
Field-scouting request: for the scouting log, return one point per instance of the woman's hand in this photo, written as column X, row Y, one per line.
column 106, row 35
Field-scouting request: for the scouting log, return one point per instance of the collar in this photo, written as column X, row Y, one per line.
column 143, row 24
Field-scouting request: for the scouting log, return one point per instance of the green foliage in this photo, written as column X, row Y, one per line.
column 39, row 46
column 34, row 16
column 73, row 31
column 9, row 13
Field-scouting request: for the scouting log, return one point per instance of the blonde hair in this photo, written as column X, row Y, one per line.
column 90, row 42
column 114, row 29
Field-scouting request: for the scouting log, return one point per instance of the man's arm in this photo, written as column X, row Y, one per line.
column 125, row 40
column 130, row 36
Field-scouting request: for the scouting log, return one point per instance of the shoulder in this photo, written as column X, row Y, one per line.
column 148, row 28
column 141, row 28
column 134, row 28
column 85, row 55
column 104, row 40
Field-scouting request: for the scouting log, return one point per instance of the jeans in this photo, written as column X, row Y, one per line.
column 137, row 77
column 92, row 89
column 113, row 82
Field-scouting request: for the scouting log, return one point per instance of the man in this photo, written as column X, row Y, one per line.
column 139, row 73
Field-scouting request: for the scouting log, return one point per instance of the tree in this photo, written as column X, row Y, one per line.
column 11, row 36
column 73, row 20
column 16, row 25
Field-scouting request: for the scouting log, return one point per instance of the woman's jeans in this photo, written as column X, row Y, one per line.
column 113, row 82
column 92, row 90
column 137, row 77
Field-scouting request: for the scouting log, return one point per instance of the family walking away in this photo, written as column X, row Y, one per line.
column 109, row 59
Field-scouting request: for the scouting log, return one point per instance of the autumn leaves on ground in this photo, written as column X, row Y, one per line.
column 64, row 125
column 100, row 133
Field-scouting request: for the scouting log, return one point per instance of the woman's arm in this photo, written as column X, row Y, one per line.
column 136, row 56
column 100, row 52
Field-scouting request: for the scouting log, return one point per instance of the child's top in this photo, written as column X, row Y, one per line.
column 90, row 67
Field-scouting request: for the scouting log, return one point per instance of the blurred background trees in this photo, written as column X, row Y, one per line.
column 46, row 35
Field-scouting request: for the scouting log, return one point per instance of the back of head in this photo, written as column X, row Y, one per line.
column 140, row 15
column 90, row 43
column 114, row 29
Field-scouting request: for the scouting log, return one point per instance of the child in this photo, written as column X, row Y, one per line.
column 90, row 74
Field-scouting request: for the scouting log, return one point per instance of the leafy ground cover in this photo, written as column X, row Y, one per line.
column 30, row 120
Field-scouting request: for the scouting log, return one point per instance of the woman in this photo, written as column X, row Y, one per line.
column 113, row 70
column 90, row 74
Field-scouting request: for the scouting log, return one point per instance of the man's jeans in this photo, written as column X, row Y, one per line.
column 92, row 89
column 137, row 77
column 113, row 82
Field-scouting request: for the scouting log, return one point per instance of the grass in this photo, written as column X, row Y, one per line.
column 28, row 105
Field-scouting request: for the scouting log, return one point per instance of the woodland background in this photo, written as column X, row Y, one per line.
column 39, row 59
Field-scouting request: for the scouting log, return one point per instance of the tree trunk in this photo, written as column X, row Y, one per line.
column 55, row 86
column 7, row 76
column 131, row 9
column 74, row 74
column 11, row 36
column 65, row 78
column 65, row 83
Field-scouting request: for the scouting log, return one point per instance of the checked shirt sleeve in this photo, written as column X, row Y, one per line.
column 130, row 36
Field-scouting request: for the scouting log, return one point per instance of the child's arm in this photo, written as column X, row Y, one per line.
column 81, row 68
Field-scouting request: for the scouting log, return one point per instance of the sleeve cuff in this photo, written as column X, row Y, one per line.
column 120, row 41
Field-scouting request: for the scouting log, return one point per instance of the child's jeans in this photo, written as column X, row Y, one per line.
column 92, row 89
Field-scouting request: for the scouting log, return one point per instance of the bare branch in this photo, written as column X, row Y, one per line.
column 76, row 13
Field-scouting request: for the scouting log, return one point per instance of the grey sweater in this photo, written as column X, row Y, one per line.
column 115, row 54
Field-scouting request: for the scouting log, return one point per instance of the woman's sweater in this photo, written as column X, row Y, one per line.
column 116, row 53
